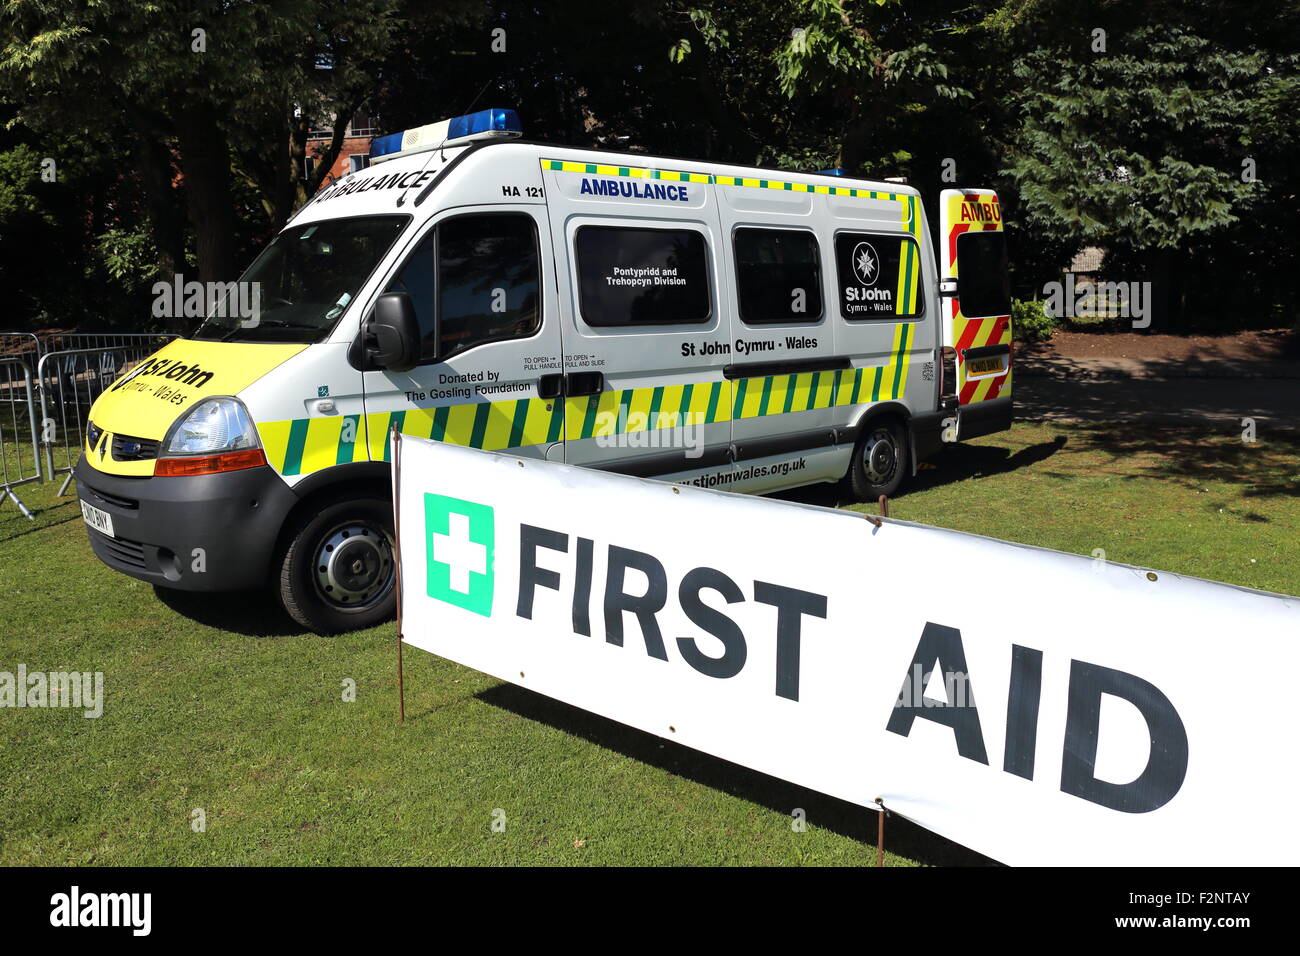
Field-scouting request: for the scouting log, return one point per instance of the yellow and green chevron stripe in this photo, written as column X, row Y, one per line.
column 638, row 172
column 304, row 445
column 909, row 279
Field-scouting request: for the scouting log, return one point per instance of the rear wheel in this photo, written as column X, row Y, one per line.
column 880, row 460
column 338, row 570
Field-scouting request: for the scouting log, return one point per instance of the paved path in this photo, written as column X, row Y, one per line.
column 1158, row 392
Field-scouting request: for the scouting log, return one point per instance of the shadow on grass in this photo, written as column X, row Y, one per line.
column 953, row 464
column 31, row 527
column 961, row 462
column 1192, row 457
column 838, row 816
column 251, row 613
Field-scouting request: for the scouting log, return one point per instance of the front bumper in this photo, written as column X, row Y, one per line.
column 206, row 533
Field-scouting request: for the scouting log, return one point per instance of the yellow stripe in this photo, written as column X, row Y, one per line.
column 900, row 293
column 376, row 429
column 726, row 401
column 501, row 418
column 700, row 401
column 908, row 335
column 824, row 383
column 982, row 389
column 460, row 424
column 776, row 402
column 638, row 410
column 275, row 441
column 321, row 448
column 847, row 378
column 668, row 406
column 606, row 414
column 802, row 386
column 538, row 423
column 418, row 422
column 360, row 451
column 575, row 412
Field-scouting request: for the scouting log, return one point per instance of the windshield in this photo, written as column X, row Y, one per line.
column 302, row 282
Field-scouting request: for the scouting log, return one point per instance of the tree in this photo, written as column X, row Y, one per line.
column 194, row 85
column 1135, row 128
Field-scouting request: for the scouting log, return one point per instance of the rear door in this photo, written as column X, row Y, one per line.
column 977, row 306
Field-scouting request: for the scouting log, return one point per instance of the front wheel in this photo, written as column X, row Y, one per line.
column 338, row 570
column 880, row 461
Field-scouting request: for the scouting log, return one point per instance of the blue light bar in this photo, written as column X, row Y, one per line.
column 837, row 171
column 485, row 124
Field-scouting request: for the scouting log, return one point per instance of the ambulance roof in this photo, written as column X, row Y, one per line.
column 408, row 184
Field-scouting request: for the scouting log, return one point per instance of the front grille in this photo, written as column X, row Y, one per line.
column 130, row 553
column 127, row 504
column 130, row 448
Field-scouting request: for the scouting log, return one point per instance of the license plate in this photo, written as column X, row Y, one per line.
column 983, row 366
column 101, row 521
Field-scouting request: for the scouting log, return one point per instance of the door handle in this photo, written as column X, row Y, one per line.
column 550, row 386
column 584, row 383
column 556, row 385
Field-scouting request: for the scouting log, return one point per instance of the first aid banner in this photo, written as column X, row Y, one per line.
column 1036, row 706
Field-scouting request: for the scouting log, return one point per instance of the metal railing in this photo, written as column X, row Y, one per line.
column 45, row 399
column 68, row 382
column 17, row 468
column 72, row 341
column 32, row 346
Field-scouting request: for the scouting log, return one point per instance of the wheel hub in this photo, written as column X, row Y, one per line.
column 354, row 565
column 880, row 458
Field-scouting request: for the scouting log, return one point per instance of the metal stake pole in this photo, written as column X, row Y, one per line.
column 880, row 828
column 396, row 442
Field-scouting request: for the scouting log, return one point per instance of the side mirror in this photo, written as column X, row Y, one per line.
column 393, row 333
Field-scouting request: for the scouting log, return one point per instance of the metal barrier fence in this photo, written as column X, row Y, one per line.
column 73, row 341
column 31, row 346
column 16, row 404
column 68, row 382
column 21, row 345
column 45, row 399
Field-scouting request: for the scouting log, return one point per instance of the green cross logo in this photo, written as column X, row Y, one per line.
column 459, row 538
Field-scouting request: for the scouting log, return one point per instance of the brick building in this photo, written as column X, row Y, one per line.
column 352, row 154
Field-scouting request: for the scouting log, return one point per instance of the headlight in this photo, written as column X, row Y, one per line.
column 212, row 426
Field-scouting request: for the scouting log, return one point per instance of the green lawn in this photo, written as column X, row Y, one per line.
column 223, row 705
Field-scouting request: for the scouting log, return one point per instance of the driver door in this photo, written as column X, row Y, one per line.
column 482, row 270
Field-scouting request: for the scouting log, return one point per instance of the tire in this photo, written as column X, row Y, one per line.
column 881, row 460
column 337, row 570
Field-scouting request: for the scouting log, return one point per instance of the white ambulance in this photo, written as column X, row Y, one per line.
column 726, row 326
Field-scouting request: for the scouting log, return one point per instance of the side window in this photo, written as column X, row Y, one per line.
column 879, row 276
column 481, row 273
column 635, row 276
column 983, row 287
column 778, row 276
